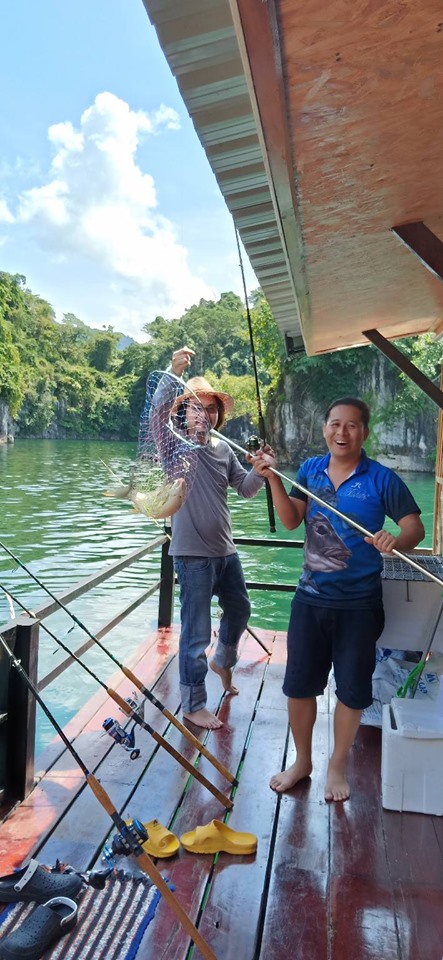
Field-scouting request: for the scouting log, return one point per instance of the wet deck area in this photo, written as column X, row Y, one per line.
column 328, row 882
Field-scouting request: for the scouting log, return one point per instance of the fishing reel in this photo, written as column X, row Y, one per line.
column 122, row 844
column 124, row 738
column 254, row 444
column 135, row 704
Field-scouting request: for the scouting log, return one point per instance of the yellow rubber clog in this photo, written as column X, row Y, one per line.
column 217, row 837
column 161, row 842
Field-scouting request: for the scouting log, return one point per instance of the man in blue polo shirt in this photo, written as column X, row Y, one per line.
column 337, row 612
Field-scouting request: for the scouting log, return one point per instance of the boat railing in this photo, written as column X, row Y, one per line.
column 18, row 705
column 272, row 585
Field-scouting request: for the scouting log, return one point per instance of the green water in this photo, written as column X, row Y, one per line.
column 54, row 518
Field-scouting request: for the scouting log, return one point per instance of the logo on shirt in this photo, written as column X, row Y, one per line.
column 356, row 490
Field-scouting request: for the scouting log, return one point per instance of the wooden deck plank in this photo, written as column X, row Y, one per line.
column 357, row 832
column 122, row 777
column 362, row 920
column 420, row 921
column 170, row 779
column 119, row 775
column 329, row 881
column 166, row 936
column 21, row 835
column 237, row 894
column 299, row 878
column 414, row 854
column 150, row 658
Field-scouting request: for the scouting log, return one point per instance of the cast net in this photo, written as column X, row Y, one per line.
column 173, row 426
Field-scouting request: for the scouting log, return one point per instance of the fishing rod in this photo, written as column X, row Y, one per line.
column 127, row 708
column 413, row 679
column 130, row 836
column 261, row 422
column 338, row 513
column 129, row 674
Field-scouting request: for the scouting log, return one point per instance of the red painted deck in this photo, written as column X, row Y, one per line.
column 329, row 881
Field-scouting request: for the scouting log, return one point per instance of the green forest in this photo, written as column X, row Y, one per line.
column 77, row 382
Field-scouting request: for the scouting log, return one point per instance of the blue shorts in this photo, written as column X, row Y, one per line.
column 321, row 637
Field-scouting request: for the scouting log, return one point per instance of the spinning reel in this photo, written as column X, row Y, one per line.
column 125, row 738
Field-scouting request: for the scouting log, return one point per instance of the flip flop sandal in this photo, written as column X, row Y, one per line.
column 161, row 842
column 36, row 883
column 216, row 837
column 46, row 924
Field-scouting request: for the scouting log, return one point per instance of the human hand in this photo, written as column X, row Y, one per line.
column 383, row 541
column 263, row 461
column 181, row 360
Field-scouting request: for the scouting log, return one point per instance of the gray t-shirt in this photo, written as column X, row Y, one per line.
column 202, row 526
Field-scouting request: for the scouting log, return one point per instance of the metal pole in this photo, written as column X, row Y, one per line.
column 338, row 513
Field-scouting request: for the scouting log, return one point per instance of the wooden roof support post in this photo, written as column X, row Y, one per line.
column 401, row 360
column 423, row 243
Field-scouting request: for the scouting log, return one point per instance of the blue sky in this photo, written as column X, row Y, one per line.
column 108, row 205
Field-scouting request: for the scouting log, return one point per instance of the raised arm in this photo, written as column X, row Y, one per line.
column 181, row 360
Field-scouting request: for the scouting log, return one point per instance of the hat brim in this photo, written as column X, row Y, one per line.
column 225, row 398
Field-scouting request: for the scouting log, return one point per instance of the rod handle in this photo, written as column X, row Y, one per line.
column 154, row 875
column 100, row 794
column 186, row 922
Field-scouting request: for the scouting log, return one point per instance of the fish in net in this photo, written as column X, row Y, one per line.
column 172, row 428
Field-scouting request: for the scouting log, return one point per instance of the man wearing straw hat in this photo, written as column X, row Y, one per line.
column 205, row 557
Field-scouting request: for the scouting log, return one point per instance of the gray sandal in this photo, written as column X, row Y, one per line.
column 36, row 883
column 46, row 924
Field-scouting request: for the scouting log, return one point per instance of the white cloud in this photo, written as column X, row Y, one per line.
column 5, row 213
column 98, row 208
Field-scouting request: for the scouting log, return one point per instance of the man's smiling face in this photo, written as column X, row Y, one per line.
column 345, row 432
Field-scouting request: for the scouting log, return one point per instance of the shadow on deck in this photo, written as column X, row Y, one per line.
column 329, row 881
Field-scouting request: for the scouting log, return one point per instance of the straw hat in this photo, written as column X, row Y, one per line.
column 201, row 387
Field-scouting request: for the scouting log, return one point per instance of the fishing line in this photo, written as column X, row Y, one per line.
column 338, row 513
column 126, row 707
column 261, row 422
column 130, row 836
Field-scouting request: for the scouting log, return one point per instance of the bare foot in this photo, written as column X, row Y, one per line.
column 226, row 677
column 204, row 718
column 337, row 788
column 288, row 778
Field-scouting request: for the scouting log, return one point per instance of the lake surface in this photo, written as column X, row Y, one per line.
column 54, row 518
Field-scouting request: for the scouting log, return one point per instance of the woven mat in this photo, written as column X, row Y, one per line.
column 110, row 924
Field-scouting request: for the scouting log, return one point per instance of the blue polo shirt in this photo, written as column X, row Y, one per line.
column 340, row 569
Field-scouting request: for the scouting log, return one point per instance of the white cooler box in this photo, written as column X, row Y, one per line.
column 412, row 756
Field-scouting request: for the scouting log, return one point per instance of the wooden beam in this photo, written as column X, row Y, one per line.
column 258, row 34
column 420, row 240
column 404, row 364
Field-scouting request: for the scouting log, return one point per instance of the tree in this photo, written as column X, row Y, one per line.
column 11, row 378
column 102, row 351
column 426, row 353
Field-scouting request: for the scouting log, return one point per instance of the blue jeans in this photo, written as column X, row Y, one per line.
column 200, row 579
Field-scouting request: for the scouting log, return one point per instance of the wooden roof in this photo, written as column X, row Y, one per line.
column 322, row 123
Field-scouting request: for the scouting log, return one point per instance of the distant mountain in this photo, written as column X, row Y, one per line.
column 124, row 342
